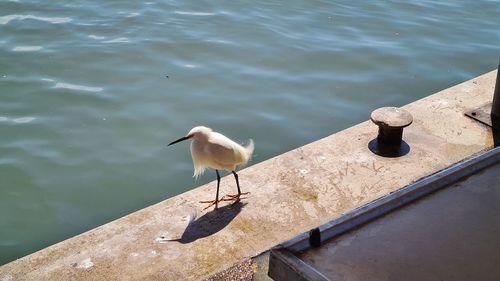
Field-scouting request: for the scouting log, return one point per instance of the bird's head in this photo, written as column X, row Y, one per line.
column 197, row 133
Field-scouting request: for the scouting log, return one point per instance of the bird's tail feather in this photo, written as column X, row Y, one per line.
column 198, row 171
column 249, row 150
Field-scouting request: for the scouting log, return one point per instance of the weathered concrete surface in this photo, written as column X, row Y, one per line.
column 290, row 194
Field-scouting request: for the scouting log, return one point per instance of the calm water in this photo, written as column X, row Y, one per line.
column 86, row 108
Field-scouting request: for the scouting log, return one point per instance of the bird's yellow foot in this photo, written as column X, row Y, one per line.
column 211, row 203
column 234, row 197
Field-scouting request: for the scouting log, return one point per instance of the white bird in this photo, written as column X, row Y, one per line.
column 210, row 149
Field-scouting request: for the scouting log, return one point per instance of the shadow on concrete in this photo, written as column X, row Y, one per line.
column 210, row 223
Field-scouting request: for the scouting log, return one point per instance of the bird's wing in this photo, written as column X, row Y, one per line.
column 223, row 150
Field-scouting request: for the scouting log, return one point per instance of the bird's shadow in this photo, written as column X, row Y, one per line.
column 210, row 223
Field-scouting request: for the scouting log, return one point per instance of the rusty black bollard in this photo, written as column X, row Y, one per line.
column 391, row 121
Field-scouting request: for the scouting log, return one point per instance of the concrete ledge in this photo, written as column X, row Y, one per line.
column 290, row 194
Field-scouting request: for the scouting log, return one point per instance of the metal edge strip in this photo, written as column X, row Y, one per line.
column 284, row 265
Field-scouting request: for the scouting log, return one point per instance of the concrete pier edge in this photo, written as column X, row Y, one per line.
column 290, row 194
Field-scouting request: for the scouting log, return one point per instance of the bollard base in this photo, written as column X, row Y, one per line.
column 391, row 151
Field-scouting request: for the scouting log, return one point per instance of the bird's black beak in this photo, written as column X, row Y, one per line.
column 181, row 139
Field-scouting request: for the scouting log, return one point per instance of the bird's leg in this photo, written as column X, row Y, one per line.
column 235, row 196
column 216, row 201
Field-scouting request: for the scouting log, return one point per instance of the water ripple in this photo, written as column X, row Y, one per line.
column 23, row 120
column 60, row 85
column 27, row 48
column 200, row 14
column 92, row 36
column 117, row 40
column 129, row 15
column 19, row 120
column 54, row 20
